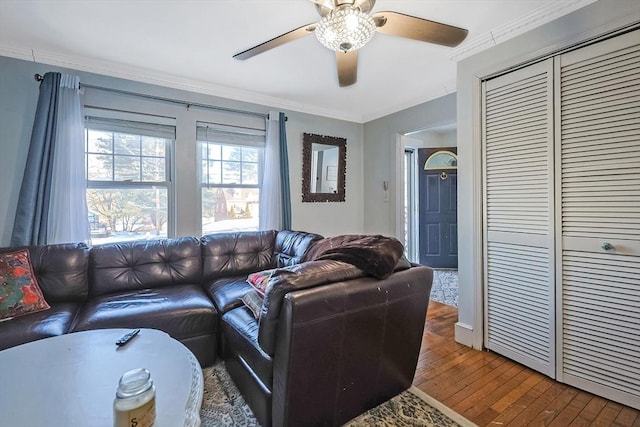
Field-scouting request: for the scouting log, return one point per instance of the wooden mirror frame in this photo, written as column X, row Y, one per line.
column 307, row 140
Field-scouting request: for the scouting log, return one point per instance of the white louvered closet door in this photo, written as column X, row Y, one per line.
column 598, row 160
column 518, row 216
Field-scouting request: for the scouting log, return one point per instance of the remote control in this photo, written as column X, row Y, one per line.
column 127, row 337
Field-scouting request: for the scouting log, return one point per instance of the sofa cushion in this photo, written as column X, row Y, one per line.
column 61, row 270
column 240, row 331
column 19, row 290
column 226, row 292
column 182, row 311
column 34, row 326
column 131, row 266
column 291, row 246
column 235, row 254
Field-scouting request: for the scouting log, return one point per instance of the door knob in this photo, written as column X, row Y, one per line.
column 607, row 246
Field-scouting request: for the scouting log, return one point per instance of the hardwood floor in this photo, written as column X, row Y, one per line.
column 491, row 390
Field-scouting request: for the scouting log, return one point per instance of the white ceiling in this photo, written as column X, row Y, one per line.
column 189, row 44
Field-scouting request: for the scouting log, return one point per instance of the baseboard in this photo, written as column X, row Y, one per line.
column 464, row 334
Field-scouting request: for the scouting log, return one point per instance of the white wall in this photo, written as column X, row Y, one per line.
column 591, row 21
column 18, row 100
column 381, row 149
column 437, row 138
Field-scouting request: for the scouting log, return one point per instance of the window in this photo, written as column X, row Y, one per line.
column 231, row 160
column 443, row 159
column 410, row 208
column 128, row 179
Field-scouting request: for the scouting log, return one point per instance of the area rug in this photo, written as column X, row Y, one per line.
column 445, row 286
column 223, row 405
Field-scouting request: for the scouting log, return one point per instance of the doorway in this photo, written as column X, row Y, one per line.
column 418, row 209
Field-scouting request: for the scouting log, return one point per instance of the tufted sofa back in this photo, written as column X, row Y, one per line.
column 131, row 266
column 291, row 246
column 72, row 272
column 236, row 253
column 61, row 270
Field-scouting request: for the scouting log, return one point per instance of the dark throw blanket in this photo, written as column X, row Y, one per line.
column 376, row 255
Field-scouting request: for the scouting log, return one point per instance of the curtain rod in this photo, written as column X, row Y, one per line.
column 39, row 77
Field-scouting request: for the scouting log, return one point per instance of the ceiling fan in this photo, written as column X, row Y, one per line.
column 346, row 25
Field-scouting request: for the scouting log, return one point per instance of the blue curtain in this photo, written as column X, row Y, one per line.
column 284, row 175
column 30, row 225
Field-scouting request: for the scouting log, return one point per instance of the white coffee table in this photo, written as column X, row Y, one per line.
column 71, row 380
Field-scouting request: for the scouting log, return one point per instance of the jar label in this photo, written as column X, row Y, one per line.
column 143, row 416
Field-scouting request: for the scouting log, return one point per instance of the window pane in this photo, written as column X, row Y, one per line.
column 250, row 173
column 231, row 153
column 204, row 177
column 127, row 168
column 127, row 214
column 250, row 155
column 231, row 172
column 214, row 151
column 229, row 209
column 153, row 169
column 126, row 144
column 99, row 142
column 214, row 172
column 153, row 146
column 99, row 167
column 441, row 159
column 137, row 158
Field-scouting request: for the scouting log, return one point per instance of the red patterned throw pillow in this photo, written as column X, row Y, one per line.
column 259, row 281
column 253, row 299
column 19, row 290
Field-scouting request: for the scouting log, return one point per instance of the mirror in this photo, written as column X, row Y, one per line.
column 324, row 161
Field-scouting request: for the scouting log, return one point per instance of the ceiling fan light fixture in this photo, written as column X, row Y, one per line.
column 345, row 29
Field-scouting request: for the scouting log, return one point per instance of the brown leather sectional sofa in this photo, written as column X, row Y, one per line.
column 329, row 344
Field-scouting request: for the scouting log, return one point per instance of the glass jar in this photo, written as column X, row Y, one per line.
column 135, row 402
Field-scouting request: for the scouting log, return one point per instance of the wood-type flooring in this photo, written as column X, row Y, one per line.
column 491, row 390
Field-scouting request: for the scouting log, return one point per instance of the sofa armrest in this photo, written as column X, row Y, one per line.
column 300, row 276
column 348, row 346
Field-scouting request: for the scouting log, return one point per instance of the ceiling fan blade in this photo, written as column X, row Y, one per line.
column 347, row 67
column 277, row 41
column 411, row 27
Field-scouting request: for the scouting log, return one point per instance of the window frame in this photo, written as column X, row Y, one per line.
column 203, row 147
column 169, row 155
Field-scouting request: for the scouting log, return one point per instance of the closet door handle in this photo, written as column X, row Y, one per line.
column 607, row 246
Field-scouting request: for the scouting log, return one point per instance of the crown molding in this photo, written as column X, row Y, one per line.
column 148, row 76
column 470, row 47
column 516, row 27
column 16, row 52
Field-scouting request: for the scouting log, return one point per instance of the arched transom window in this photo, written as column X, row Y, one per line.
column 443, row 159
